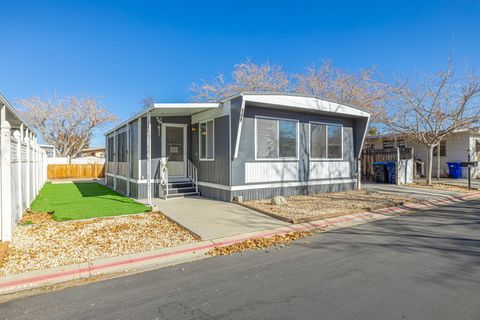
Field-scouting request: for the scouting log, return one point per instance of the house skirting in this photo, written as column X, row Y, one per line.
column 258, row 192
column 138, row 189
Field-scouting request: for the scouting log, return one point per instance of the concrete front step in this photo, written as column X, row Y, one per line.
column 185, row 194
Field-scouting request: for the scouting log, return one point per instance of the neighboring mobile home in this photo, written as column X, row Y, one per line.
column 454, row 147
column 250, row 145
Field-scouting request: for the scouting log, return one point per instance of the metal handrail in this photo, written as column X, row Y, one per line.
column 192, row 174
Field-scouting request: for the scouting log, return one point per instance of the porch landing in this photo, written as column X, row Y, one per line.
column 211, row 219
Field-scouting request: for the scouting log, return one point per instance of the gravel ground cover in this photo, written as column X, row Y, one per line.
column 51, row 244
column 324, row 205
column 442, row 186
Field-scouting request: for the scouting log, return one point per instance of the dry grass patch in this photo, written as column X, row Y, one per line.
column 51, row 244
column 324, row 205
column 259, row 243
column 35, row 218
column 442, row 186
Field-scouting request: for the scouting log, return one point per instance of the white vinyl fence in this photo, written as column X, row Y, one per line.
column 23, row 171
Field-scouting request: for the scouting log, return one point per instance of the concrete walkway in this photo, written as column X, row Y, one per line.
column 421, row 193
column 212, row 219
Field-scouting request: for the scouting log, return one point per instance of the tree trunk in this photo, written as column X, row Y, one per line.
column 429, row 163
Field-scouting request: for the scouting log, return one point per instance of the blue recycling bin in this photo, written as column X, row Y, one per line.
column 455, row 169
column 391, row 172
column 380, row 172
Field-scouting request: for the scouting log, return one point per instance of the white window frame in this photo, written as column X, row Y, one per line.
column 326, row 140
column 200, row 140
column 278, row 140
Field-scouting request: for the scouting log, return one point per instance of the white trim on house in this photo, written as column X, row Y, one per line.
column 278, row 158
column 206, row 140
column 239, row 130
column 275, row 185
column 326, row 141
column 168, row 109
column 213, row 113
column 301, row 102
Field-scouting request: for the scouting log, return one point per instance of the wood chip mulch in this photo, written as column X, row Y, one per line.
column 324, row 205
column 52, row 244
column 259, row 243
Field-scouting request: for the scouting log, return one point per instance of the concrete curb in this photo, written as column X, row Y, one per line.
column 196, row 251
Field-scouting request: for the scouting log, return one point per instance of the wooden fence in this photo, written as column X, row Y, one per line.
column 75, row 171
column 369, row 156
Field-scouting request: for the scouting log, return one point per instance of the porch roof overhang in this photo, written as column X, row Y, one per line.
column 297, row 103
column 169, row 110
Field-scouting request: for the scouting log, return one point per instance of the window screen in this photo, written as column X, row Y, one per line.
column 334, row 142
column 325, row 141
column 267, row 140
column 276, row 138
column 206, row 140
column 443, row 149
column 318, row 140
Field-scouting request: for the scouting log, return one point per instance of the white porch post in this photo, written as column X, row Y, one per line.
column 128, row 159
column 115, row 159
column 149, row 158
column 27, row 170
column 6, row 185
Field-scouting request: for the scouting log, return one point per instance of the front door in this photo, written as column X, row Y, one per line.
column 174, row 142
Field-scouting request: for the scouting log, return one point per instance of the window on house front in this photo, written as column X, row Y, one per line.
column 276, row 138
column 206, row 140
column 443, row 149
column 389, row 144
column 326, row 141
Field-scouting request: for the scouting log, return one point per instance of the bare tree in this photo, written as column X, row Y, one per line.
column 65, row 123
column 431, row 109
column 359, row 90
column 246, row 77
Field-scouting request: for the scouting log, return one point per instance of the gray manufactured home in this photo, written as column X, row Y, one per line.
column 250, row 145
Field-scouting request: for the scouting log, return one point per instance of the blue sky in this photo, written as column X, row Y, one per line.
column 125, row 50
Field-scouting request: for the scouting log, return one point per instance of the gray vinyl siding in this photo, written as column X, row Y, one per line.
column 246, row 151
column 216, row 171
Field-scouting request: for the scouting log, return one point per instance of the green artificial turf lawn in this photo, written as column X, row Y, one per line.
column 72, row 201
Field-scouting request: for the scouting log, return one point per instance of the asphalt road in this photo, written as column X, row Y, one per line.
column 422, row 266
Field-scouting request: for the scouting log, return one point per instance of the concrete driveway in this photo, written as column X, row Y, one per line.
column 212, row 219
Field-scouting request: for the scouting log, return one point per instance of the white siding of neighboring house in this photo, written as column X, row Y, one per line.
column 457, row 146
